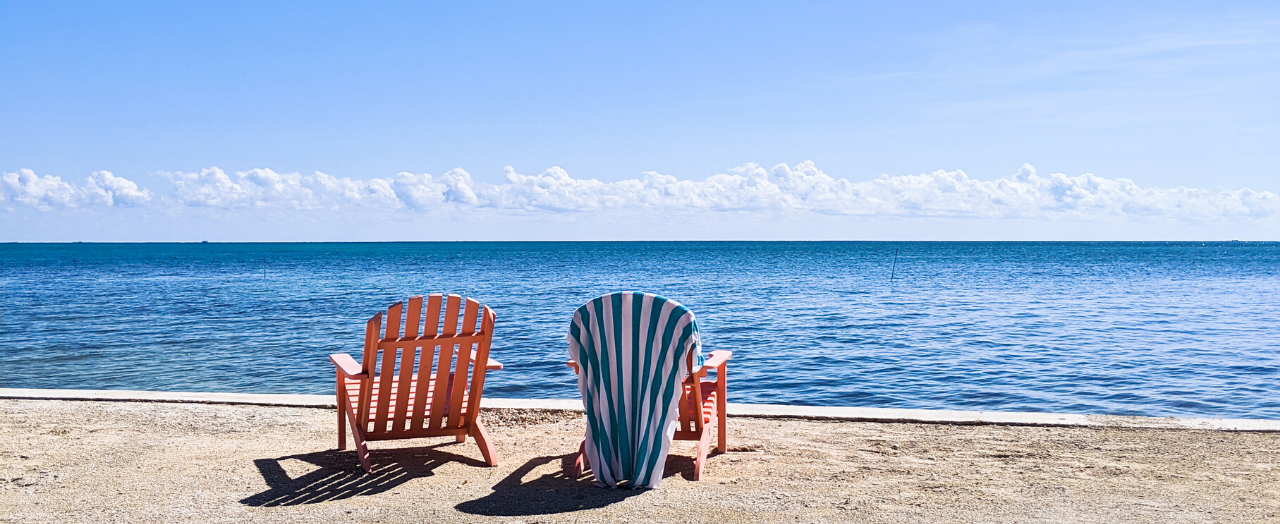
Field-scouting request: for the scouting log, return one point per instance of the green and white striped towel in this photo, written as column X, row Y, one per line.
column 632, row 350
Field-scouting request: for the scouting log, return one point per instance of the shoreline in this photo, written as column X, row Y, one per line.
column 846, row 414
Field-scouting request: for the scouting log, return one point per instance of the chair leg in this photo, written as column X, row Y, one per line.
column 701, row 460
column 482, row 440
column 722, row 445
column 362, row 449
column 342, row 419
column 580, row 464
column 721, row 435
column 722, row 442
column 357, row 432
column 460, row 439
column 342, row 431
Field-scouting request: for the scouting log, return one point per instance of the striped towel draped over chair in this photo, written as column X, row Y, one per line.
column 635, row 351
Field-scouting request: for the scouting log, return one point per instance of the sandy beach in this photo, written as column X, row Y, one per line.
column 87, row 461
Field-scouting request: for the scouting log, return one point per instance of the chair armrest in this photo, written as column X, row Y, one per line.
column 347, row 365
column 491, row 365
column 717, row 359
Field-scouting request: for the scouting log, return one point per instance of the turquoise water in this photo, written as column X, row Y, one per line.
column 1143, row 328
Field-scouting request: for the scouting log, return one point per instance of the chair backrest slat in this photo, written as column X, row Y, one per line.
column 408, row 353
column 426, row 380
column 426, row 367
column 393, row 320
column 433, row 314
column 387, row 368
column 482, row 359
column 462, row 365
column 414, row 318
column 444, row 363
column 460, row 380
column 371, row 329
column 451, row 315
column 469, row 317
column 440, row 396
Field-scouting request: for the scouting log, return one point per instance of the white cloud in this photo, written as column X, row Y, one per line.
column 802, row 188
column 375, row 192
column 44, row 192
column 423, row 192
column 555, row 190
column 264, row 188
column 805, row 188
column 108, row 189
column 1029, row 195
column 48, row 192
column 254, row 188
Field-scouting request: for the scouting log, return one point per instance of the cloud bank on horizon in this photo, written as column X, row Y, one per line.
column 48, row 193
column 802, row 188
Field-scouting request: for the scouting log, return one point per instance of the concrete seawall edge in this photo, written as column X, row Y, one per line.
column 852, row 414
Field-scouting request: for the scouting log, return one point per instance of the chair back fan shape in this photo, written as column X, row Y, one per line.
column 422, row 374
column 444, row 349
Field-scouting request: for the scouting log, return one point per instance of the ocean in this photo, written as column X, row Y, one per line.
column 1124, row 328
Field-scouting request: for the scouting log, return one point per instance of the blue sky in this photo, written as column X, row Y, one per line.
column 929, row 120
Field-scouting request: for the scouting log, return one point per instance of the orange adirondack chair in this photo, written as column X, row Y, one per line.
column 414, row 383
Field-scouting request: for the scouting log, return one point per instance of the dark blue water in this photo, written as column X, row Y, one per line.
column 1184, row 329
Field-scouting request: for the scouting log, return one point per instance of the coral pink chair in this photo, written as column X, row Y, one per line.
column 424, row 381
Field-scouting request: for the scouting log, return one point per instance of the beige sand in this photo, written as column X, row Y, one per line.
column 78, row 461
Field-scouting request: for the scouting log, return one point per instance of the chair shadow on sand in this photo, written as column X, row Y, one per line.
column 558, row 492
column 340, row 475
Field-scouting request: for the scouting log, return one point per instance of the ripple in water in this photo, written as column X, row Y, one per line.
column 1155, row 328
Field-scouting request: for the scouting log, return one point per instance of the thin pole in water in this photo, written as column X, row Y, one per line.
column 894, row 268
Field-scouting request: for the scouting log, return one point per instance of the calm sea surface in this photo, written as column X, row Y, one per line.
column 1154, row 328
